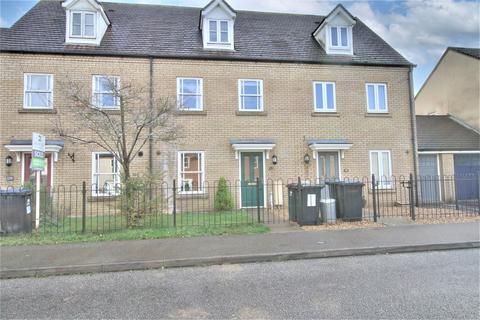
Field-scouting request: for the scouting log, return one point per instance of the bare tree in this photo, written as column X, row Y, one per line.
column 135, row 120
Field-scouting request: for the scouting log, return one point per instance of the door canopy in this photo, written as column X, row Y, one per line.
column 252, row 145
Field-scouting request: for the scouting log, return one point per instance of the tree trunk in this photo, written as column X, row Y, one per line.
column 128, row 198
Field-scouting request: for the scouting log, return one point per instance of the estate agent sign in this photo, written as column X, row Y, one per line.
column 38, row 152
column 37, row 165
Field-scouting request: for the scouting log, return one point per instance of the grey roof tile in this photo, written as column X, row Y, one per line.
column 441, row 133
column 168, row 31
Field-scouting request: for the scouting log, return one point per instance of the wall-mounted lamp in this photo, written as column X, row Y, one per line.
column 8, row 161
column 274, row 159
column 306, row 158
column 71, row 156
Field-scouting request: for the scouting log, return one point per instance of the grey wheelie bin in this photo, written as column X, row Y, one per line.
column 15, row 211
column 348, row 196
column 307, row 203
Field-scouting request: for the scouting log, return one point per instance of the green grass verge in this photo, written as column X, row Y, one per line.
column 136, row 234
column 107, row 223
column 104, row 228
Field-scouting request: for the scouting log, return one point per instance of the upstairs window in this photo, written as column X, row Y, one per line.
column 191, row 171
column 218, row 31
column 377, row 97
column 105, row 174
column 250, row 95
column 38, row 91
column 83, row 24
column 324, row 96
column 339, row 37
column 105, row 92
column 190, row 94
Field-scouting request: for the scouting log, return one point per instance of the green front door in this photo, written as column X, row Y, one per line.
column 251, row 168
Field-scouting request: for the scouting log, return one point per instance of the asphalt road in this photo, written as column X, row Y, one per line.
column 435, row 285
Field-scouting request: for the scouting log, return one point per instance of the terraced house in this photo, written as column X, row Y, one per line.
column 260, row 95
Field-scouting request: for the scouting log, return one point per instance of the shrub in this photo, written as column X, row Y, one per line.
column 223, row 197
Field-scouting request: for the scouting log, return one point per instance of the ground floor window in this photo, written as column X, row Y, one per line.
column 191, row 171
column 105, row 174
column 381, row 167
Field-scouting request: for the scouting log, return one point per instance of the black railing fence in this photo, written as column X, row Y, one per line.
column 90, row 208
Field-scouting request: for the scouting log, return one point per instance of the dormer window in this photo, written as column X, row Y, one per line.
column 217, row 22
column 339, row 37
column 218, row 31
column 83, row 24
column 335, row 33
column 86, row 22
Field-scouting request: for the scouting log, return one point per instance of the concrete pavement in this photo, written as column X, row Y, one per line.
column 427, row 285
column 24, row 261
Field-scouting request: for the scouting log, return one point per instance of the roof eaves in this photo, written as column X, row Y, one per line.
column 464, row 51
column 207, row 58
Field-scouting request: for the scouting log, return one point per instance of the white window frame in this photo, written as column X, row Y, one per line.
column 95, row 186
column 26, row 91
column 382, row 184
column 199, row 93
column 95, row 93
column 339, row 37
column 180, row 163
column 375, row 91
column 82, row 24
column 324, row 95
column 240, row 95
column 219, row 32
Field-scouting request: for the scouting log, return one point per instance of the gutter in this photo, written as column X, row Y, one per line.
column 413, row 123
column 211, row 58
column 150, row 130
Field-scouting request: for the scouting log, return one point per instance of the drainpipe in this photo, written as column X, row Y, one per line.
column 413, row 132
column 150, row 131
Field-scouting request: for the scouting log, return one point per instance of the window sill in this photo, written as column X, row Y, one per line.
column 101, row 198
column 191, row 113
column 38, row 111
column 250, row 113
column 378, row 115
column 325, row 114
column 110, row 111
column 192, row 196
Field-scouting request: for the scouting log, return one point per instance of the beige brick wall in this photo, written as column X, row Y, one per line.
column 447, row 170
column 288, row 104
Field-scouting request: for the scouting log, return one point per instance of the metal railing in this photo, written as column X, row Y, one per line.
column 89, row 209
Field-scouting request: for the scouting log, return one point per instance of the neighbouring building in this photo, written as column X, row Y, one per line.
column 448, row 117
column 453, row 87
column 261, row 95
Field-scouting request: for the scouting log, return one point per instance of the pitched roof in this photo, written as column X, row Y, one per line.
column 442, row 133
column 172, row 32
column 472, row 52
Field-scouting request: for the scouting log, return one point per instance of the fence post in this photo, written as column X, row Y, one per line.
column 412, row 199
column 174, row 203
column 84, row 206
column 374, row 198
column 258, row 200
column 478, row 194
column 457, row 207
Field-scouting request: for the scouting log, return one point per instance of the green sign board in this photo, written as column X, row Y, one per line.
column 38, row 152
column 37, row 164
